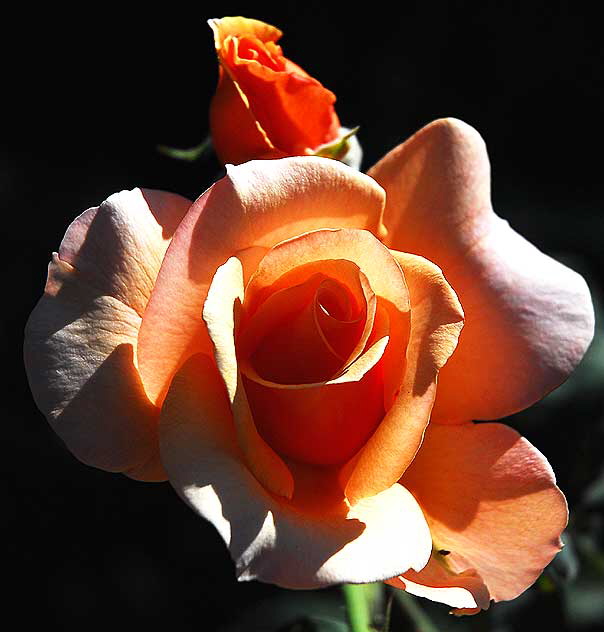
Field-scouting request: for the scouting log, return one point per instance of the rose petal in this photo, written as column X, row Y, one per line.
column 459, row 612
column 529, row 319
column 285, row 340
column 436, row 321
column 343, row 328
column 118, row 246
column 80, row 340
column 319, row 415
column 375, row 349
column 491, row 500
column 321, row 423
column 435, row 299
column 436, row 581
column 358, row 246
column 324, row 423
column 220, row 314
column 258, row 204
column 341, row 339
column 230, row 104
column 250, row 258
column 294, row 109
column 234, row 26
column 269, row 539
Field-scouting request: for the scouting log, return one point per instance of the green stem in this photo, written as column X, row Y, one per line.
column 357, row 607
column 387, row 614
column 419, row 618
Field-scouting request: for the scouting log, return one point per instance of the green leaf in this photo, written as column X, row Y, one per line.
column 189, row 155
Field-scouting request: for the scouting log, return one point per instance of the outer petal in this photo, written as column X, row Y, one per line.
column 360, row 247
column 80, row 341
column 237, row 25
column 230, row 104
column 270, row 540
column 437, row 582
column 436, row 321
column 529, row 319
column 118, row 247
column 294, row 110
column 259, row 203
column 220, row 313
column 491, row 500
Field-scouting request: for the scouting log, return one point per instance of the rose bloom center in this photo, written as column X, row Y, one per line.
column 298, row 342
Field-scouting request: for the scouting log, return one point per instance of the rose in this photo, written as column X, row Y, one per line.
column 273, row 349
column 265, row 105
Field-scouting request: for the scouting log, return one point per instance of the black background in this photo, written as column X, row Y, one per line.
column 88, row 96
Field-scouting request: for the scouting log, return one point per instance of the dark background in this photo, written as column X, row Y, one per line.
column 89, row 95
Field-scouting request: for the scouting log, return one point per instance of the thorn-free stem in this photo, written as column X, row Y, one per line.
column 357, row 607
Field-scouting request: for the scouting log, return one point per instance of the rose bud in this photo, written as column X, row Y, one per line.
column 265, row 105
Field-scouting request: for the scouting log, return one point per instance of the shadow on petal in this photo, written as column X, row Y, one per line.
column 270, row 538
column 491, row 501
column 79, row 357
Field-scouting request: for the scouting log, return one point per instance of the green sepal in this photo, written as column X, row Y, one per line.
column 190, row 154
column 338, row 148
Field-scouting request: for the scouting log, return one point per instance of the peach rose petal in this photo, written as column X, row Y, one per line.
column 490, row 499
column 220, row 314
column 341, row 333
column 118, row 246
column 338, row 324
column 329, row 420
column 270, row 539
column 328, row 249
column 437, row 582
column 80, row 341
column 358, row 246
column 250, row 258
column 432, row 295
column 259, row 203
column 324, row 423
column 286, row 342
column 234, row 26
column 436, row 322
column 376, row 346
column 529, row 319
column 459, row 612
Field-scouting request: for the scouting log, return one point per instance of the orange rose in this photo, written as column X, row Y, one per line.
column 273, row 349
column 265, row 105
